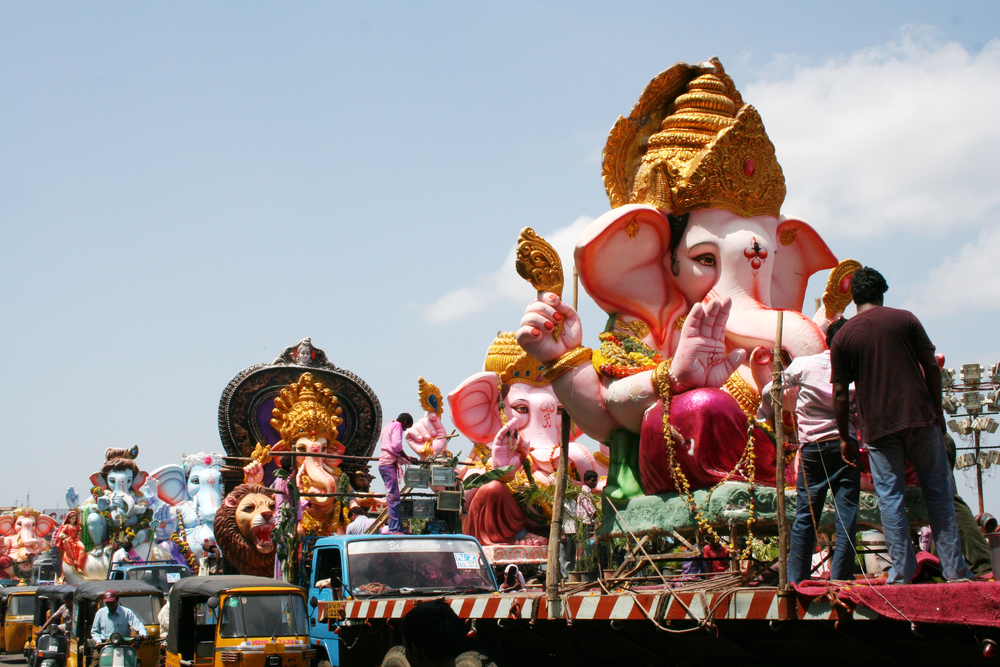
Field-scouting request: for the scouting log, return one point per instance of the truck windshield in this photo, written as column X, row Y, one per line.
column 263, row 616
column 21, row 605
column 162, row 577
column 421, row 565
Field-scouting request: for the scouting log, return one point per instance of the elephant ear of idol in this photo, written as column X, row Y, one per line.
column 474, row 407
column 800, row 253
column 247, row 405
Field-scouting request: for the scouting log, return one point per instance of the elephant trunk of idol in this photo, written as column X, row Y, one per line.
column 752, row 324
column 30, row 541
column 122, row 507
column 209, row 498
column 320, row 481
column 544, row 443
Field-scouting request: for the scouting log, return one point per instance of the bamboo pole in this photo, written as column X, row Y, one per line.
column 576, row 286
column 555, row 528
column 785, row 600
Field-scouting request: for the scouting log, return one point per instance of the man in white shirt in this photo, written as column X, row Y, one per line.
column 821, row 468
column 359, row 521
column 112, row 618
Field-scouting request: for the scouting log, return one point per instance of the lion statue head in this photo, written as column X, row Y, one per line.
column 243, row 527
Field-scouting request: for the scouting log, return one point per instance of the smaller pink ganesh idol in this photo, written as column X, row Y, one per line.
column 511, row 406
column 22, row 537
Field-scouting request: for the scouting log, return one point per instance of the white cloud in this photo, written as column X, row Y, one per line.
column 898, row 138
column 967, row 281
column 503, row 284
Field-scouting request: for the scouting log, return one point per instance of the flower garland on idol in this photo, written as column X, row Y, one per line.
column 622, row 355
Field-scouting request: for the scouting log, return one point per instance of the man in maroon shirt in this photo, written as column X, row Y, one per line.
column 887, row 354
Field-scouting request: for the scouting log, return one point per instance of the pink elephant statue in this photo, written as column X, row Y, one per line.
column 694, row 263
column 513, row 408
column 22, row 537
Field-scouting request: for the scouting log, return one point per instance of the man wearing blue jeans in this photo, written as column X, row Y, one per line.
column 887, row 354
column 821, row 468
column 389, row 462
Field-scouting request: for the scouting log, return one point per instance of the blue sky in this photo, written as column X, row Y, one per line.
column 187, row 188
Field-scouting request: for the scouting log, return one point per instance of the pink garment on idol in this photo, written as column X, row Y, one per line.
column 714, row 429
column 493, row 515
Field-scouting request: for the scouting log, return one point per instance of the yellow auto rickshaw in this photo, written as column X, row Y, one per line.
column 221, row 620
column 143, row 599
column 17, row 607
column 47, row 600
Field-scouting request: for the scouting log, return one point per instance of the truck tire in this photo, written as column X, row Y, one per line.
column 395, row 657
column 474, row 659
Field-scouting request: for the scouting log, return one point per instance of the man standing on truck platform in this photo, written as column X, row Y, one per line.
column 887, row 354
column 389, row 462
column 112, row 618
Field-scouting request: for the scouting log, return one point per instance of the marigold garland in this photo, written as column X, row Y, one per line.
column 624, row 356
column 621, row 355
column 746, row 463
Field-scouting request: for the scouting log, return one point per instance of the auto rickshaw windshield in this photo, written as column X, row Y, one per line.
column 146, row 607
column 263, row 616
column 21, row 605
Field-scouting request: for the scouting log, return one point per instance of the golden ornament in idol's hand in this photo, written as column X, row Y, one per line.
column 837, row 295
column 430, row 397
column 538, row 263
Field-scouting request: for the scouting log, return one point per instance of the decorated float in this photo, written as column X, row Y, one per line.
column 703, row 281
column 694, row 266
column 294, row 431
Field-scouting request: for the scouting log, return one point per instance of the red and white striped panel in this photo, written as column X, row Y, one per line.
column 611, row 607
column 476, row 606
column 753, row 604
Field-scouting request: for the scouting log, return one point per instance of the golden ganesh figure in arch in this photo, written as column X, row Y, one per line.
column 306, row 415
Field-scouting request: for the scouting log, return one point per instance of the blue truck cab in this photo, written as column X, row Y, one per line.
column 362, row 567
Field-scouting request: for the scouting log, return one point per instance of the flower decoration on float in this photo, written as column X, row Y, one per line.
column 430, row 397
column 261, row 454
column 837, row 295
column 661, row 380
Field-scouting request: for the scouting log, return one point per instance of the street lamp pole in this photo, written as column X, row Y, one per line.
column 979, row 471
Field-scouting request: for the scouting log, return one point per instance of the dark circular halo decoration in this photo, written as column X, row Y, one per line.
column 247, row 402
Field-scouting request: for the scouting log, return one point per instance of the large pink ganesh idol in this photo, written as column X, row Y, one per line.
column 512, row 413
column 695, row 262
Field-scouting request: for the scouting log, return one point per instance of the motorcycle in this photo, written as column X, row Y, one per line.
column 51, row 648
column 120, row 652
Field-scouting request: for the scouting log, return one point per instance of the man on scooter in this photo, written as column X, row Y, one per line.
column 113, row 617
